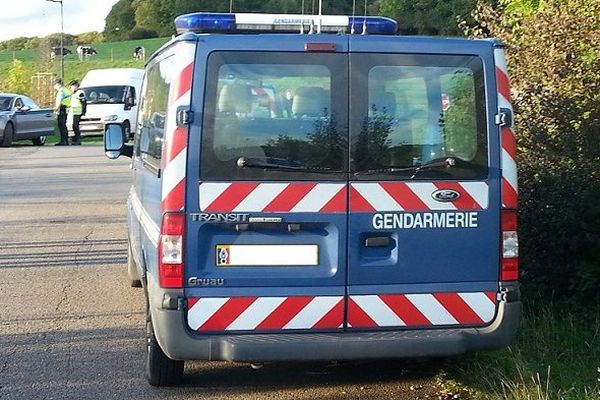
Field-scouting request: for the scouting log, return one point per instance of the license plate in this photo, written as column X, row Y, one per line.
column 276, row 255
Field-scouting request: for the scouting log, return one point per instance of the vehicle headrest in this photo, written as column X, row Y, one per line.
column 234, row 98
column 310, row 101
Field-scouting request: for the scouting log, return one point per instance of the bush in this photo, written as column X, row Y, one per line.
column 142, row 33
column 554, row 61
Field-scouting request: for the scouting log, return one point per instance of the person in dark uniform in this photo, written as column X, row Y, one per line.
column 61, row 106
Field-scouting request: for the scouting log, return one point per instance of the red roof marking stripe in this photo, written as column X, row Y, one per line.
column 503, row 84
column 404, row 196
column 289, row 197
column 491, row 296
column 333, row 319
column 405, row 309
column 228, row 313
column 337, row 202
column 231, row 197
column 358, row 203
column 509, row 142
column 357, row 318
column 509, row 195
column 184, row 83
column 284, row 313
column 177, row 143
column 191, row 302
column 456, row 306
column 175, row 199
column 465, row 201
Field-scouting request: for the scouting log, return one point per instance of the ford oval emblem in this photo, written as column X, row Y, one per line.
column 445, row 195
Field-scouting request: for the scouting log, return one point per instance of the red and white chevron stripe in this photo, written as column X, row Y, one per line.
column 507, row 138
column 272, row 197
column 210, row 314
column 416, row 196
column 176, row 137
column 421, row 310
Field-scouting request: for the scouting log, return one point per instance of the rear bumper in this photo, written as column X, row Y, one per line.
column 178, row 343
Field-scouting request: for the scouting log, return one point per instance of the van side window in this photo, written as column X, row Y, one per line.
column 153, row 112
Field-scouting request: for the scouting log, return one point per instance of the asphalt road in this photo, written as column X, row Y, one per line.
column 72, row 328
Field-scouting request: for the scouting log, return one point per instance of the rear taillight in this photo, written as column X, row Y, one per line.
column 170, row 251
column 510, row 247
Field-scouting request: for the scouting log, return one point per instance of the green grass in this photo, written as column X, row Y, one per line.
column 557, row 357
column 112, row 54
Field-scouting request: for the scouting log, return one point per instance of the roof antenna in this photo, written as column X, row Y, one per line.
column 364, row 31
column 320, row 13
column 352, row 30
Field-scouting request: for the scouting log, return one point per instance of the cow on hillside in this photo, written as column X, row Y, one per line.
column 139, row 53
column 55, row 51
column 84, row 52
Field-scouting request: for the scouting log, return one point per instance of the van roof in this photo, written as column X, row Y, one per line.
column 112, row 76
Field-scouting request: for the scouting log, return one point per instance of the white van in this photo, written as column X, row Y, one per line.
column 112, row 96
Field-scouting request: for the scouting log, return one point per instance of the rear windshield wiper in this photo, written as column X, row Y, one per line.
column 446, row 162
column 280, row 165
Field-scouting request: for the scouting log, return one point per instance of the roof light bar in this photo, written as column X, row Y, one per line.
column 295, row 23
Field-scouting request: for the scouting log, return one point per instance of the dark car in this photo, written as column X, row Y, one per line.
column 21, row 118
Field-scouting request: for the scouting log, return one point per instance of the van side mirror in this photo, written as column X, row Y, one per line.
column 114, row 145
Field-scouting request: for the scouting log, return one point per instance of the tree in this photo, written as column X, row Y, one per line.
column 17, row 78
column 427, row 17
column 554, row 63
column 120, row 20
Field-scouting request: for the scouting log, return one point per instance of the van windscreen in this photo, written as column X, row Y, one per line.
column 105, row 94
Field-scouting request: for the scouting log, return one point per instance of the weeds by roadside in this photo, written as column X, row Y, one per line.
column 557, row 357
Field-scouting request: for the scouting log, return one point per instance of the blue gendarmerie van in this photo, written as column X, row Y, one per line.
column 320, row 188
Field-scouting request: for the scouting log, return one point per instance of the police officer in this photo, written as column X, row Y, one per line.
column 78, row 108
column 61, row 105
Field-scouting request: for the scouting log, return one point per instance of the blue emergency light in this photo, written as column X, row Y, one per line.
column 293, row 23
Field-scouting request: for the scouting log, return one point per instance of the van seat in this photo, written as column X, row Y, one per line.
column 310, row 101
column 234, row 99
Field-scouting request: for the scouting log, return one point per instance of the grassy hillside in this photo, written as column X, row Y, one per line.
column 113, row 54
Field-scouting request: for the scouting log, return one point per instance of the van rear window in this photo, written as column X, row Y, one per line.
column 280, row 113
column 419, row 110
column 268, row 115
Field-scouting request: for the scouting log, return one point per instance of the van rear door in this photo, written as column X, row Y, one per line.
column 266, row 242
column 424, row 201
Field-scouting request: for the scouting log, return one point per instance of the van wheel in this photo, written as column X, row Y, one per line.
column 39, row 141
column 160, row 369
column 132, row 272
column 9, row 132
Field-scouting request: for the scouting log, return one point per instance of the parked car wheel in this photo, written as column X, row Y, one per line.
column 132, row 273
column 160, row 369
column 9, row 132
column 40, row 141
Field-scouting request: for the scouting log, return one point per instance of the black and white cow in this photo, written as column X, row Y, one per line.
column 139, row 53
column 84, row 52
column 55, row 51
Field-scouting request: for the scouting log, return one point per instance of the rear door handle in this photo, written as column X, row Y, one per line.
column 378, row 241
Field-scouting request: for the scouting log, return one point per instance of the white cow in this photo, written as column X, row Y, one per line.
column 84, row 52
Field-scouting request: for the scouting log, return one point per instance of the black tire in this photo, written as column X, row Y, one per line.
column 132, row 272
column 40, row 141
column 160, row 369
column 9, row 132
